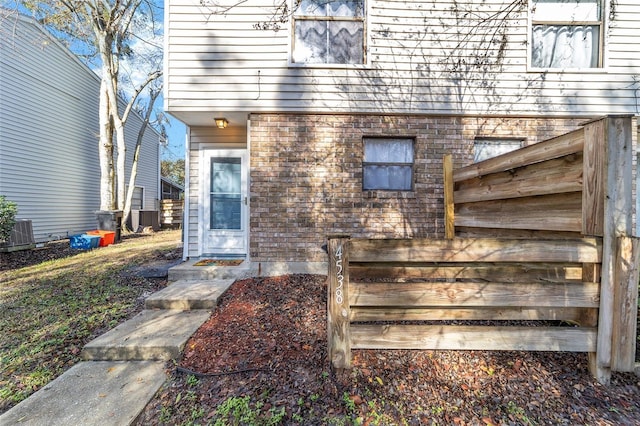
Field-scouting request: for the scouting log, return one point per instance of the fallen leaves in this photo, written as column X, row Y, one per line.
column 279, row 324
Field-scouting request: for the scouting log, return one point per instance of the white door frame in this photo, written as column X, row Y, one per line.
column 207, row 238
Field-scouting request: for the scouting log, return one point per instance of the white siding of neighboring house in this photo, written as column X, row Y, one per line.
column 48, row 133
column 221, row 63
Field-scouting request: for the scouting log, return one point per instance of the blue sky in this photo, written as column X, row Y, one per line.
column 175, row 129
column 176, row 139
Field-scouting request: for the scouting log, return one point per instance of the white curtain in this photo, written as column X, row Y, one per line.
column 384, row 174
column 565, row 46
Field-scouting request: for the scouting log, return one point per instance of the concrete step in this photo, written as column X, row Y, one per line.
column 187, row 271
column 91, row 393
column 150, row 335
column 185, row 294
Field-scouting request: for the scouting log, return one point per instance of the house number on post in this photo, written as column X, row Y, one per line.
column 339, row 294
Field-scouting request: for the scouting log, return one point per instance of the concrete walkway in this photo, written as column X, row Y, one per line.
column 124, row 368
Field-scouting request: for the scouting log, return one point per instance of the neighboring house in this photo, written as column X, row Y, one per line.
column 170, row 189
column 49, row 134
column 336, row 121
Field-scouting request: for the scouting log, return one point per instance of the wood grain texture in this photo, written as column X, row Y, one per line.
column 587, row 250
column 443, row 337
column 477, row 294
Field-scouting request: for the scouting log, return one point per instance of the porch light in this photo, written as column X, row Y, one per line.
column 221, row 123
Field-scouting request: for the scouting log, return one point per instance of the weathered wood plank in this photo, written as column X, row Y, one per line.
column 570, row 315
column 338, row 330
column 556, row 212
column 586, row 250
column 594, row 178
column 618, row 214
column 555, row 176
column 489, row 271
column 449, row 207
column 437, row 337
column 566, row 144
column 467, row 232
column 467, row 294
column 625, row 305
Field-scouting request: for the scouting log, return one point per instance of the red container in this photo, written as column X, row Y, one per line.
column 106, row 237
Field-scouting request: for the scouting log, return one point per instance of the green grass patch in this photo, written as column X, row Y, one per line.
column 49, row 311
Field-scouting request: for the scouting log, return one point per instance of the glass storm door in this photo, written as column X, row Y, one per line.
column 225, row 202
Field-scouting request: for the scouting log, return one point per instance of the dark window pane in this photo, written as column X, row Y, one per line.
column 225, row 198
column 387, row 177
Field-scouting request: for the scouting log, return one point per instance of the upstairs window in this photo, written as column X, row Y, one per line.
column 566, row 33
column 387, row 164
column 329, row 32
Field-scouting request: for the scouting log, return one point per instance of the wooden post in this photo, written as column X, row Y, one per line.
column 449, row 206
column 594, row 178
column 625, row 300
column 617, row 222
column 338, row 312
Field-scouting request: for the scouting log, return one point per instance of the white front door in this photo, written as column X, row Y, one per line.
column 224, row 206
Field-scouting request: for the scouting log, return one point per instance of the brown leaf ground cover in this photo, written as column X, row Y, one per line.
column 261, row 360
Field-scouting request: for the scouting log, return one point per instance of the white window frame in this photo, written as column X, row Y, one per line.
column 411, row 165
column 365, row 39
column 602, row 41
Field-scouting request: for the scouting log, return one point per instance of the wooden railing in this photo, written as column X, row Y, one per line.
column 554, row 189
column 377, row 286
column 540, row 234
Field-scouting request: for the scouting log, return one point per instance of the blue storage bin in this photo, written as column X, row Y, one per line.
column 84, row 241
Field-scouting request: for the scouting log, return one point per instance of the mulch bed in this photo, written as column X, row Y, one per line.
column 267, row 341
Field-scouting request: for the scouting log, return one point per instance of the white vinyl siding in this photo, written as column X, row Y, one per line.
column 48, row 133
column 423, row 57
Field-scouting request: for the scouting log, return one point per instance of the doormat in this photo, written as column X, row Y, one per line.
column 218, row 262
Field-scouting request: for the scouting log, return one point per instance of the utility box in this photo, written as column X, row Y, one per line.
column 21, row 237
column 139, row 219
column 110, row 220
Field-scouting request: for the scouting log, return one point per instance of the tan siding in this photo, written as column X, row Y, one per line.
column 213, row 64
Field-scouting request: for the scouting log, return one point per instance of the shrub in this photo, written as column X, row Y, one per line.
column 8, row 211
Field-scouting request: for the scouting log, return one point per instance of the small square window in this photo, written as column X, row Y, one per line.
column 388, row 164
column 485, row 148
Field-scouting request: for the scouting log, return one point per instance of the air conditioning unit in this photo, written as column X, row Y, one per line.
column 21, row 237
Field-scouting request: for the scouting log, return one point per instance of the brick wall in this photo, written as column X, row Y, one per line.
column 306, row 176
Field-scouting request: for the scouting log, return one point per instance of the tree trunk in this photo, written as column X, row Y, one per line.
column 126, row 211
column 105, row 152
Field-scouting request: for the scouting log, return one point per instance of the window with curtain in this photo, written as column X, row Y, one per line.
column 566, row 33
column 329, row 32
column 485, row 148
column 388, row 164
